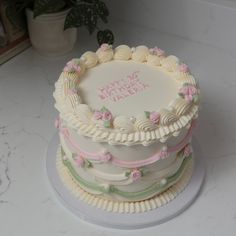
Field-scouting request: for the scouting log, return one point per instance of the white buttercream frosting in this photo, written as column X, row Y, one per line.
column 170, row 63
column 167, row 117
column 90, row 59
column 154, row 60
column 104, row 55
column 84, row 113
column 72, row 101
column 181, row 106
column 122, row 52
column 124, row 124
column 140, row 53
column 142, row 123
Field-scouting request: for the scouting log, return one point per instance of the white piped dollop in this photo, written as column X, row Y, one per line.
column 144, row 124
column 140, row 53
column 167, row 117
column 104, row 55
column 124, row 124
column 181, row 106
column 170, row 63
column 122, row 52
column 90, row 59
column 84, row 113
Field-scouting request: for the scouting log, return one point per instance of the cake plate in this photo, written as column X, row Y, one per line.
column 123, row 220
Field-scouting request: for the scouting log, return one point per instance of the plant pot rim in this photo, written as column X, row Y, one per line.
column 48, row 16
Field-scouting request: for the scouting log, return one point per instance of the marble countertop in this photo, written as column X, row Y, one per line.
column 28, row 205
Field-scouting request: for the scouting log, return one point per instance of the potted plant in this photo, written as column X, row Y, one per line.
column 52, row 24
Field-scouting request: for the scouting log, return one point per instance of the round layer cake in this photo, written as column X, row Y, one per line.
column 126, row 122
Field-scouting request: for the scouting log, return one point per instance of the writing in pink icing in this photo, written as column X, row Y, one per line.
column 120, row 89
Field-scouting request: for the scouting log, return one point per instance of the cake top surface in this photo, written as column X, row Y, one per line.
column 127, row 88
column 127, row 95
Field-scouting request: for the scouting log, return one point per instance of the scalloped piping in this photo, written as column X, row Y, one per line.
column 127, row 164
column 125, row 177
column 121, row 206
column 142, row 194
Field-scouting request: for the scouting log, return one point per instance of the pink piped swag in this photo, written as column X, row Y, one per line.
column 106, row 156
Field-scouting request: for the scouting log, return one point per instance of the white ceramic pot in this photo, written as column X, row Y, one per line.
column 47, row 33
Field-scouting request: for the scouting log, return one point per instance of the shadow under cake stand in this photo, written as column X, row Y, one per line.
column 125, row 220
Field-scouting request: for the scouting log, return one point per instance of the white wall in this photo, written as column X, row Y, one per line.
column 209, row 21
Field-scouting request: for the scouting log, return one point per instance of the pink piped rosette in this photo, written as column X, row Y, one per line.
column 157, row 52
column 135, row 174
column 189, row 92
column 153, row 116
column 73, row 66
column 164, row 153
column 105, row 47
column 183, row 68
column 79, row 161
column 105, row 156
column 187, row 151
column 105, row 116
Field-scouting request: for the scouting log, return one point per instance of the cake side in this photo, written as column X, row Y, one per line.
column 126, row 121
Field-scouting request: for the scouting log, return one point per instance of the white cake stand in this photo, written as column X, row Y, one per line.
column 126, row 221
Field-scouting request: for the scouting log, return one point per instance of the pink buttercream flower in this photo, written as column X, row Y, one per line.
column 163, row 153
column 97, row 115
column 106, row 116
column 136, row 174
column 105, row 46
column 79, row 161
column 106, row 156
column 187, row 150
column 188, row 92
column 157, row 51
column 154, row 117
column 183, row 68
column 77, row 68
column 72, row 66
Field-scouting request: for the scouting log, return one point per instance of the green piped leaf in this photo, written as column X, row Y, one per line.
column 104, row 109
column 143, row 171
column 107, row 123
column 62, row 152
column 127, row 173
column 147, row 114
column 87, row 164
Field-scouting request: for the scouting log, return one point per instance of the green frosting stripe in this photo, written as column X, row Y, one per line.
column 156, row 187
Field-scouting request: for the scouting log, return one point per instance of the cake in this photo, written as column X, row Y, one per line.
column 126, row 118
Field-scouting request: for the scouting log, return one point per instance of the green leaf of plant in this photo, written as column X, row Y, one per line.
column 47, row 6
column 102, row 10
column 73, row 19
column 105, row 36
